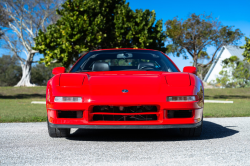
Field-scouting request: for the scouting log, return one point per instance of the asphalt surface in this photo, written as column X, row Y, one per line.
column 224, row 141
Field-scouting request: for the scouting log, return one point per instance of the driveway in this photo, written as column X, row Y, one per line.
column 224, row 141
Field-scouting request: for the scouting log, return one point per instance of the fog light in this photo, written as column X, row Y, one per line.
column 181, row 98
column 68, row 99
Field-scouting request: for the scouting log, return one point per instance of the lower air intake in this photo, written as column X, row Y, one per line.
column 70, row 114
column 180, row 113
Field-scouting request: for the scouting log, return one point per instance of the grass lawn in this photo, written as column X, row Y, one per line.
column 15, row 103
column 20, row 110
column 240, row 107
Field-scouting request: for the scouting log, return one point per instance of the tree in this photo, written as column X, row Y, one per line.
column 40, row 74
column 98, row 24
column 28, row 17
column 198, row 32
column 202, row 71
column 235, row 73
column 4, row 20
column 225, row 79
column 10, row 70
column 246, row 53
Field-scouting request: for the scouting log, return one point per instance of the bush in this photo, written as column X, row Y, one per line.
column 11, row 72
column 41, row 74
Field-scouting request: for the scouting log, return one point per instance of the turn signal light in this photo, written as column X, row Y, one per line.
column 68, row 99
column 181, row 98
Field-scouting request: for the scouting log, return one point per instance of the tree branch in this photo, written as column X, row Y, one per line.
column 202, row 65
column 20, row 35
column 189, row 52
column 13, row 49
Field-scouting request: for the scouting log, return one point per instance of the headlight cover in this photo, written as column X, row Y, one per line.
column 181, row 98
column 68, row 99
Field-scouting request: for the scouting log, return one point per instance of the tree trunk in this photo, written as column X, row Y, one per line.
column 26, row 75
column 201, row 77
column 195, row 61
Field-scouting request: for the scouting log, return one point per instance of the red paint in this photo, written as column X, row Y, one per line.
column 105, row 88
column 190, row 69
column 72, row 79
column 178, row 79
column 58, row 70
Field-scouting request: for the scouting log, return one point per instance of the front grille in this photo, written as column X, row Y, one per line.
column 180, row 113
column 120, row 113
column 131, row 109
column 125, row 117
column 69, row 114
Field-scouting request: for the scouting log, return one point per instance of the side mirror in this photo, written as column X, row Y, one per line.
column 58, row 70
column 190, row 69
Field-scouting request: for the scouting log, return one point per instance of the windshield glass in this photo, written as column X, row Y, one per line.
column 116, row 60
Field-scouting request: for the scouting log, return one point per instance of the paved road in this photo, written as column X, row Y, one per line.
column 225, row 141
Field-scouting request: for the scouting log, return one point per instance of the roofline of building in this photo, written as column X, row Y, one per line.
column 212, row 67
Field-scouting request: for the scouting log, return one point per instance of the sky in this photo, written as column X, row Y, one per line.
column 229, row 12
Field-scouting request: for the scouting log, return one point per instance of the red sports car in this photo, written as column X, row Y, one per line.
column 125, row 89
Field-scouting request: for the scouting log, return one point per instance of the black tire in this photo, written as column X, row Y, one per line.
column 55, row 132
column 191, row 132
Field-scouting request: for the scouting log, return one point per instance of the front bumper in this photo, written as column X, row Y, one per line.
column 126, row 126
column 162, row 121
column 112, row 98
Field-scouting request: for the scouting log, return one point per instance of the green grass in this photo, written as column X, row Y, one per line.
column 227, row 93
column 15, row 103
column 240, row 107
column 21, row 110
column 23, row 92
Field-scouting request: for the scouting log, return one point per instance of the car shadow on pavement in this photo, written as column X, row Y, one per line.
column 227, row 97
column 210, row 131
column 23, row 96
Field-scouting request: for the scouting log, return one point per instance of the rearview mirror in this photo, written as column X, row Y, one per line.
column 190, row 69
column 58, row 70
column 125, row 55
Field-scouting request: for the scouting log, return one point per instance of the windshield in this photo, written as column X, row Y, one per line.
column 117, row 60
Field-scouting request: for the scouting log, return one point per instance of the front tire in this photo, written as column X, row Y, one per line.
column 192, row 132
column 57, row 132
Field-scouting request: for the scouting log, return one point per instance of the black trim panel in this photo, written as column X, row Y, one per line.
column 126, row 126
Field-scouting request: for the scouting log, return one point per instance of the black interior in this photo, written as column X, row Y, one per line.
column 145, row 65
column 100, row 66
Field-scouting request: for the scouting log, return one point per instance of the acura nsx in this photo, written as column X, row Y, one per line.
column 124, row 89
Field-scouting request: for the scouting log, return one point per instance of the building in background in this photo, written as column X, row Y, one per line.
column 226, row 52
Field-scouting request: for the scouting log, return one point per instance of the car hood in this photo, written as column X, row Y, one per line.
column 136, row 83
column 123, row 82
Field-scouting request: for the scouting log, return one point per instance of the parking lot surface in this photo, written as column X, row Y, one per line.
column 224, row 141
